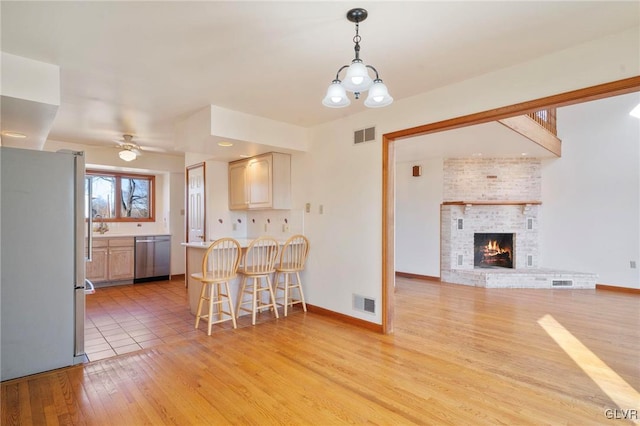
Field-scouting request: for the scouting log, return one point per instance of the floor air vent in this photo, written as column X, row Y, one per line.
column 562, row 283
column 364, row 304
column 364, row 135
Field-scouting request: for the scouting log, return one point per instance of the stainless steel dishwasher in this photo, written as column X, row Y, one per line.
column 153, row 258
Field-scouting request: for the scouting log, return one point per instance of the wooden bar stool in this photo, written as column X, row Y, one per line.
column 259, row 264
column 292, row 259
column 219, row 266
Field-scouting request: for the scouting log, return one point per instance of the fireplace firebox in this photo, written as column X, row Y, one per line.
column 493, row 250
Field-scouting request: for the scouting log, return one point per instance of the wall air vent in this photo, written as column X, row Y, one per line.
column 562, row 283
column 364, row 304
column 364, row 135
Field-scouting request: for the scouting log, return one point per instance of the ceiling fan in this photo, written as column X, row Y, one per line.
column 129, row 150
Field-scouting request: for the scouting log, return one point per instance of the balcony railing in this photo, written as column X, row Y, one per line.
column 546, row 118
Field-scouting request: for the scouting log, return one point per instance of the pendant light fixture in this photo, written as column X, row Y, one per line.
column 357, row 78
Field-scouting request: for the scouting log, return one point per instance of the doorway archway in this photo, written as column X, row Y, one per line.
column 601, row 91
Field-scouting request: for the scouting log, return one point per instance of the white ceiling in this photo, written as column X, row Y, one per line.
column 138, row 67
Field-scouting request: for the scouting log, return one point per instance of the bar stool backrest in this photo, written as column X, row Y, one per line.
column 294, row 253
column 261, row 255
column 221, row 259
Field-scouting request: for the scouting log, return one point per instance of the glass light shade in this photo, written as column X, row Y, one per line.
column 378, row 95
column 127, row 155
column 336, row 96
column 357, row 78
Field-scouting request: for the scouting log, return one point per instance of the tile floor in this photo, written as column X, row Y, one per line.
column 128, row 318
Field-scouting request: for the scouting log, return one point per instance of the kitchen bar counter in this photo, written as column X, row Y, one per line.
column 195, row 252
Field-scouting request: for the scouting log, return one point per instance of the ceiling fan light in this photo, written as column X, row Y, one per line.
column 357, row 78
column 127, row 155
column 336, row 96
column 378, row 95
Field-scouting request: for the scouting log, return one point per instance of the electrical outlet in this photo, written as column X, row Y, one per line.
column 307, row 207
column 285, row 228
column 321, row 209
column 234, row 226
column 632, row 264
column 265, row 227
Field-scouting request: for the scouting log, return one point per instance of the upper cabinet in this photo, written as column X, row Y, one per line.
column 238, row 198
column 261, row 182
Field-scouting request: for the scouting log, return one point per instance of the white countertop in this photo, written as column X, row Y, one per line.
column 145, row 234
column 244, row 243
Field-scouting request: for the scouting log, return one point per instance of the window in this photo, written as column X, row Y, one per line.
column 119, row 197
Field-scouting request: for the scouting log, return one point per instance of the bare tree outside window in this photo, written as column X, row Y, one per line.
column 134, row 198
column 119, row 197
column 103, row 191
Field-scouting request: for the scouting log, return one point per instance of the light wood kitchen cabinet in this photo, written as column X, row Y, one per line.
column 238, row 192
column 113, row 260
column 98, row 269
column 121, row 259
column 261, row 182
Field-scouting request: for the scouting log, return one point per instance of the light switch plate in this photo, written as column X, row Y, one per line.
column 307, row 207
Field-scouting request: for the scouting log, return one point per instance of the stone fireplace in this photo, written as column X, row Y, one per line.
column 489, row 234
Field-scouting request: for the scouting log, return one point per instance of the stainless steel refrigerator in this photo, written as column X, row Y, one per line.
column 42, row 267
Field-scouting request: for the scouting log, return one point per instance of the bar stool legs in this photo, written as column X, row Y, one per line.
column 216, row 299
column 292, row 260
column 254, row 287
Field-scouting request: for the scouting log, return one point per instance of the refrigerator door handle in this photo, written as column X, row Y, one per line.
column 89, row 255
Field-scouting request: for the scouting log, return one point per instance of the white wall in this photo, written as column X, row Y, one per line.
column 591, row 207
column 346, row 240
column 345, row 256
column 25, row 78
column 418, row 217
column 177, row 222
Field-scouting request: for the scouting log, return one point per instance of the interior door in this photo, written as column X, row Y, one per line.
column 196, row 203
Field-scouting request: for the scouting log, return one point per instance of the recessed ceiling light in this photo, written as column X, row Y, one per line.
column 225, row 144
column 524, row 154
column 636, row 111
column 477, row 154
column 244, row 156
column 14, row 135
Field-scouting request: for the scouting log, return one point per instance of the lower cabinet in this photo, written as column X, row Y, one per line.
column 98, row 269
column 112, row 261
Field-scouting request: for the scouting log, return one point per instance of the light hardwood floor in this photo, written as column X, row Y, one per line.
column 460, row 356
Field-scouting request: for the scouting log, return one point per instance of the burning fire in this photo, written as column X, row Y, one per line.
column 493, row 249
